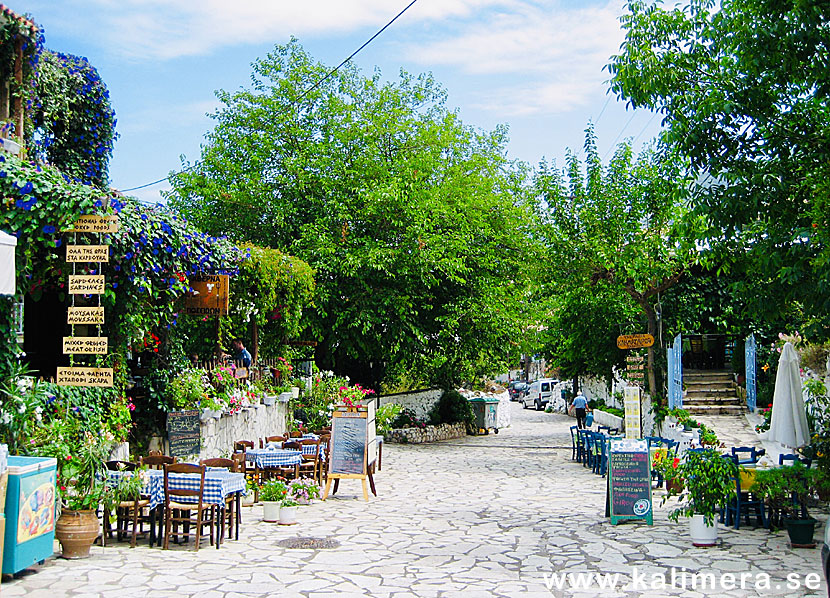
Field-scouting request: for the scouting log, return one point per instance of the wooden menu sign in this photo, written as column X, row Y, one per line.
column 85, row 377
column 634, row 341
column 210, row 295
column 87, row 253
column 353, row 446
column 95, row 224
column 183, row 433
column 85, row 315
column 629, row 481
column 89, row 345
column 86, row 284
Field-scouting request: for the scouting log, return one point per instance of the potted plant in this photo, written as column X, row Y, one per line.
column 212, row 407
column 304, row 491
column 288, row 511
column 709, row 483
column 786, row 490
column 285, row 393
column 252, row 491
column 272, row 493
column 668, row 467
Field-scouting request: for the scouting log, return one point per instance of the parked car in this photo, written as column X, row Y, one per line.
column 825, row 555
column 539, row 393
column 517, row 389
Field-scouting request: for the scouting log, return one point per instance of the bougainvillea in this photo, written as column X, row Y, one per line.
column 73, row 116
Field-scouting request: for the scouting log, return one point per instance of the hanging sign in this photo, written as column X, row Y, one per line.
column 632, row 412
column 87, row 253
column 85, row 377
column 95, row 224
column 210, row 295
column 85, row 315
column 629, row 481
column 89, row 345
column 86, row 284
column 634, row 341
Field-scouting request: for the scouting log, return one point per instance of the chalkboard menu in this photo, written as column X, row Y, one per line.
column 183, row 433
column 348, row 443
column 629, row 481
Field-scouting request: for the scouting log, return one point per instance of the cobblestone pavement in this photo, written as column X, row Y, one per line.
column 482, row 516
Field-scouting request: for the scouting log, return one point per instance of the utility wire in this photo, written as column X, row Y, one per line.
column 613, row 145
column 304, row 94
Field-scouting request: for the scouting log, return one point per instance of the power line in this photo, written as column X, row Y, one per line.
column 610, row 149
column 304, row 94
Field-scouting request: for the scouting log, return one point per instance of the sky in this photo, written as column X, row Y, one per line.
column 533, row 65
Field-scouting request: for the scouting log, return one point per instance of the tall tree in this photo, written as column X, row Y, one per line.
column 620, row 229
column 414, row 223
column 743, row 88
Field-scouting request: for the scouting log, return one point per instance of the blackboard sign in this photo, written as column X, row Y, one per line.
column 183, row 433
column 348, row 443
column 629, row 481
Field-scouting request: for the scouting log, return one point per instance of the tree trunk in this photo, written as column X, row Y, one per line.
column 652, row 327
column 254, row 340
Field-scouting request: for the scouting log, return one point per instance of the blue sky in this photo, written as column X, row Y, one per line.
column 534, row 65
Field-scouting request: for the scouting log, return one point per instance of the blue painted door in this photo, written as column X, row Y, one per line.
column 675, row 372
column 751, row 389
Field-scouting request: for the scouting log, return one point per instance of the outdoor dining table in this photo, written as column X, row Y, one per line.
column 274, row 457
column 308, row 449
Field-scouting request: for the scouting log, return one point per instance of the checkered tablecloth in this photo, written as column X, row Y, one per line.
column 273, row 457
column 308, row 449
column 218, row 485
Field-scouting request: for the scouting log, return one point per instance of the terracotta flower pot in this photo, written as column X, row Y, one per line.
column 76, row 531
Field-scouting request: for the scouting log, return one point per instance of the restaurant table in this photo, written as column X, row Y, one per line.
column 308, row 449
column 273, row 457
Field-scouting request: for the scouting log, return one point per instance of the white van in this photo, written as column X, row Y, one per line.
column 539, row 394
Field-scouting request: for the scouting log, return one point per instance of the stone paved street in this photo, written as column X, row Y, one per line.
column 483, row 516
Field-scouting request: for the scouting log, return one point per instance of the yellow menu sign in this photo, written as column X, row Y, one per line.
column 89, row 345
column 85, row 315
column 85, row 377
column 95, row 224
column 87, row 253
column 86, row 284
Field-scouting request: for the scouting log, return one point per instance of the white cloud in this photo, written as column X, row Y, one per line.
column 540, row 57
column 160, row 29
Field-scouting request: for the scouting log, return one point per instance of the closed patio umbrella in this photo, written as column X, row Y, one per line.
column 789, row 417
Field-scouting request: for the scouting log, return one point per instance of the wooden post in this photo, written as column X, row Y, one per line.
column 254, row 340
column 18, row 97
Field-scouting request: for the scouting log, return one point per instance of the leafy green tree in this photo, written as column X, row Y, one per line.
column 414, row 223
column 743, row 89
column 614, row 232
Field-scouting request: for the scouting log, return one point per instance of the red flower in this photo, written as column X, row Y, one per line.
column 68, row 457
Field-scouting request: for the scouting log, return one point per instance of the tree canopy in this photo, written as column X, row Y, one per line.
column 414, row 223
column 743, row 88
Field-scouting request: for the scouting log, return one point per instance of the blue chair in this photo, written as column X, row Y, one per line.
column 603, row 456
column 747, row 454
column 575, row 443
column 584, row 442
column 743, row 504
column 792, row 459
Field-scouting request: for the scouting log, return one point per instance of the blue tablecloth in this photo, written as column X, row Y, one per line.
column 273, row 457
column 218, row 485
column 308, row 449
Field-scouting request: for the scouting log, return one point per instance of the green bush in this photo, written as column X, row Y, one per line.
column 452, row 408
column 385, row 415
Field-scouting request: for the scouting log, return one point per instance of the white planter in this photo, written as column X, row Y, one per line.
column 285, row 396
column 269, row 400
column 702, row 534
column 295, row 392
column 11, row 146
column 271, row 511
column 288, row 515
column 248, row 499
column 206, row 414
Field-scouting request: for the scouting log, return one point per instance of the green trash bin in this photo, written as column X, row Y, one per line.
column 485, row 410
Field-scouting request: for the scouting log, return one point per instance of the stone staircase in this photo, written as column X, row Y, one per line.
column 711, row 392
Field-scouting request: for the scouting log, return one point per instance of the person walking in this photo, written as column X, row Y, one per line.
column 581, row 407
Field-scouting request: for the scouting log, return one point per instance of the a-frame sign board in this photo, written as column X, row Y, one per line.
column 353, row 447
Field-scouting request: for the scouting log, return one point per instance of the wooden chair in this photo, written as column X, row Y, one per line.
column 128, row 510
column 178, row 512
column 289, row 472
column 230, row 513
column 267, row 439
column 156, row 461
column 311, row 463
column 296, row 434
column 325, row 441
column 240, row 446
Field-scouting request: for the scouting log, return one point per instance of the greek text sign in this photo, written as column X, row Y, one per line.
column 87, row 253
column 634, row 341
column 629, row 481
column 209, row 297
column 95, row 224
column 85, row 344
column 85, row 377
column 85, row 315
column 86, row 284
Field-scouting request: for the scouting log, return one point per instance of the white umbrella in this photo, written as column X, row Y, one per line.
column 789, row 417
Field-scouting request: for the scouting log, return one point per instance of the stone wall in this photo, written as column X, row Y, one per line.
column 603, row 418
column 252, row 423
column 420, row 401
column 427, row 434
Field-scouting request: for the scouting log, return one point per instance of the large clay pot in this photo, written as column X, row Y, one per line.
column 76, row 531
